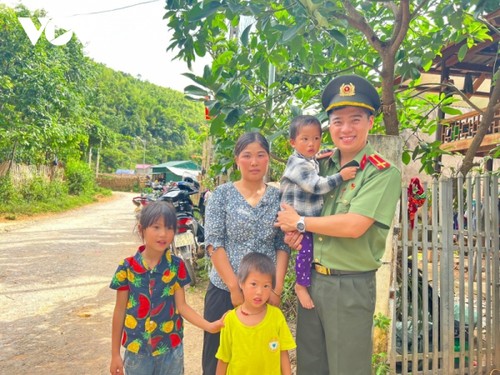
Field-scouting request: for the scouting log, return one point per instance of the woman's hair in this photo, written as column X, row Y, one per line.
column 301, row 121
column 256, row 262
column 154, row 211
column 248, row 138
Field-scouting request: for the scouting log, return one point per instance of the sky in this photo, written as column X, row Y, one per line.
column 132, row 39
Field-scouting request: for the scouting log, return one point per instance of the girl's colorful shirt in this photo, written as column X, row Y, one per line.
column 152, row 323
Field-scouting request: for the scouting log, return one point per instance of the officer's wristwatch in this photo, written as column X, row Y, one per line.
column 301, row 225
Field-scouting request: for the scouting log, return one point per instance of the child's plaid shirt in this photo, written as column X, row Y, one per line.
column 302, row 187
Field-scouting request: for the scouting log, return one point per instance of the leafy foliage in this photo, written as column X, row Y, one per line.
column 380, row 363
column 289, row 299
column 271, row 59
column 41, row 194
column 80, row 178
column 7, row 189
column 43, row 87
column 144, row 121
column 57, row 104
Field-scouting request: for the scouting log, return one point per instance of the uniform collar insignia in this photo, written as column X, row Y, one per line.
column 362, row 163
column 378, row 162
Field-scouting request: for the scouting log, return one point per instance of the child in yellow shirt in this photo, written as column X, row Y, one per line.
column 255, row 339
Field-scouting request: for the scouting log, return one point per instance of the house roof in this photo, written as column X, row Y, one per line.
column 142, row 166
column 187, row 164
column 184, row 172
column 477, row 67
column 182, row 168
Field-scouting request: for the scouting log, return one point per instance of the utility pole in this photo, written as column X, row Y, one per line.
column 144, row 146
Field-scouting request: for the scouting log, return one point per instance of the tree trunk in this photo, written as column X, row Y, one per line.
column 389, row 110
column 483, row 128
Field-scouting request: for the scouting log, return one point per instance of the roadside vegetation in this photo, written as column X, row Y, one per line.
column 64, row 117
column 57, row 104
column 41, row 195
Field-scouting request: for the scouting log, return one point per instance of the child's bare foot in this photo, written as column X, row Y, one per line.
column 304, row 297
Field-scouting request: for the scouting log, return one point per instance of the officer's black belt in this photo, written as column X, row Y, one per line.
column 332, row 272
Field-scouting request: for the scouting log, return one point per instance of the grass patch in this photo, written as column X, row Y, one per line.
column 18, row 208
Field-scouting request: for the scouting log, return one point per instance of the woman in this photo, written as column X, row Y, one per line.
column 239, row 220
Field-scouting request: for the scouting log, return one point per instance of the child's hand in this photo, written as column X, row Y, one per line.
column 294, row 240
column 116, row 366
column 348, row 173
column 216, row 326
column 326, row 153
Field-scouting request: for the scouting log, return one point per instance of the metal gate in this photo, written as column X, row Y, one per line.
column 447, row 314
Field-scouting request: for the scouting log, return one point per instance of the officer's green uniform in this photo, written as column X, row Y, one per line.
column 335, row 338
column 372, row 193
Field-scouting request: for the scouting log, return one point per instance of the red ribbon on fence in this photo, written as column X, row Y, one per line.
column 416, row 198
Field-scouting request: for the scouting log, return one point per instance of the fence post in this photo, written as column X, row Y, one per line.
column 496, row 267
column 446, row 274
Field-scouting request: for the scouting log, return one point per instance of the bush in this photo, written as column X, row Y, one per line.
column 79, row 178
column 8, row 193
column 34, row 190
column 39, row 194
column 57, row 189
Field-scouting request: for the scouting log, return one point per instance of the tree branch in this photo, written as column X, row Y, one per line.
column 356, row 20
column 402, row 23
column 483, row 128
column 418, row 7
column 456, row 91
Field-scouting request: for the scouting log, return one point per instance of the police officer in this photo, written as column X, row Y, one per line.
column 335, row 338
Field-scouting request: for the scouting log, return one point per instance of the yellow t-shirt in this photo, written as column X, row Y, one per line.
column 255, row 350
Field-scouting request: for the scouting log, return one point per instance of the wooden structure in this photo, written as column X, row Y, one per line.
column 472, row 76
column 458, row 132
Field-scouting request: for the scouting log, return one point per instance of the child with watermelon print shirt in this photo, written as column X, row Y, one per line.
column 150, row 301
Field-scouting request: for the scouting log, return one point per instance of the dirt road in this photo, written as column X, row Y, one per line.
column 55, row 303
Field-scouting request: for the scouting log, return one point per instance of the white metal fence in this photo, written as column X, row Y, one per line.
column 447, row 314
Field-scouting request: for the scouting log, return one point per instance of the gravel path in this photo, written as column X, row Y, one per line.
column 55, row 303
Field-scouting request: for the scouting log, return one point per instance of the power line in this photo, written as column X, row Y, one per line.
column 114, row 9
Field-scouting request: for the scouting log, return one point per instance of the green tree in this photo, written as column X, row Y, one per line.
column 41, row 94
column 306, row 42
column 57, row 103
column 162, row 118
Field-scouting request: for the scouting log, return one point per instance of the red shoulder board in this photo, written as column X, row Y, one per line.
column 378, row 162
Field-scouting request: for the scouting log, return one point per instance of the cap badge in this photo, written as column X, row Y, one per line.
column 347, row 90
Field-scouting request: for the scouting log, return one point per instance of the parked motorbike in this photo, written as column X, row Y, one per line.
column 190, row 236
column 189, row 239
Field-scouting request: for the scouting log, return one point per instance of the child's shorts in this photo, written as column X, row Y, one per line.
column 170, row 363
